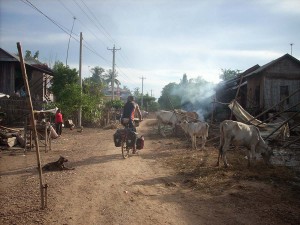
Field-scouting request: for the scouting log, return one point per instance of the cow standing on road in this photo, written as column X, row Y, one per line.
column 240, row 134
column 173, row 118
column 194, row 130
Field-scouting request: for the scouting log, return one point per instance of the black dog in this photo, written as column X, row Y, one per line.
column 58, row 165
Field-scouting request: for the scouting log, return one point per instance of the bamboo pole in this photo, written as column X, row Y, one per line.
column 274, row 105
column 236, row 95
column 28, row 96
column 296, row 125
column 9, row 129
column 279, row 113
column 287, row 120
column 292, row 142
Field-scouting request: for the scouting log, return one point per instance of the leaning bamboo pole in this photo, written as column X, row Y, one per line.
column 287, row 120
column 277, row 114
column 33, row 125
column 262, row 113
column 292, row 142
column 236, row 95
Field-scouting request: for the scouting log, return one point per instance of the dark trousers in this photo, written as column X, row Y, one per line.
column 131, row 126
column 58, row 127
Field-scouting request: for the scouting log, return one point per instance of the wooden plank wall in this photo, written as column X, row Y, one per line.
column 16, row 110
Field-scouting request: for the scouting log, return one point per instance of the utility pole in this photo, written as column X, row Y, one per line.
column 113, row 71
column 142, row 90
column 74, row 18
column 292, row 48
column 80, row 80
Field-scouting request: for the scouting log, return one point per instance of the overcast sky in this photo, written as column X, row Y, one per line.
column 159, row 39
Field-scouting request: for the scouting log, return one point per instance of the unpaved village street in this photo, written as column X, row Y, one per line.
column 144, row 189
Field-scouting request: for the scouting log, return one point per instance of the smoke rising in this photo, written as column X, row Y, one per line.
column 197, row 97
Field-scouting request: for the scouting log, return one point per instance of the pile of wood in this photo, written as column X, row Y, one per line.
column 10, row 137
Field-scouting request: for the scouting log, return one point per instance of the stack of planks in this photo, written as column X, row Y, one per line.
column 10, row 137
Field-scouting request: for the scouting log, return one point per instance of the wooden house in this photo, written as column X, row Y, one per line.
column 261, row 87
column 11, row 79
column 273, row 82
column 119, row 93
column 12, row 84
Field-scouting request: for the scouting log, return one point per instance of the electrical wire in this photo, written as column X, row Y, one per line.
column 65, row 30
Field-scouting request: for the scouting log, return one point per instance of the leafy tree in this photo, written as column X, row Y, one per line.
column 137, row 93
column 70, row 100
column 149, row 103
column 116, row 104
column 184, row 80
column 62, row 76
column 228, row 74
column 28, row 55
column 92, row 108
column 97, row 75
column 36, row 55
column 169, row 100
column 152, row 106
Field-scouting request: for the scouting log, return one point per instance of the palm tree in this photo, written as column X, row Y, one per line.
column 109, row 78
column 97, row 75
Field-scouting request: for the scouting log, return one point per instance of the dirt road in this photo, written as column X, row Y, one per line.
column 106, row 189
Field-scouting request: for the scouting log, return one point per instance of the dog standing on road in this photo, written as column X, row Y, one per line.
column 57, row 165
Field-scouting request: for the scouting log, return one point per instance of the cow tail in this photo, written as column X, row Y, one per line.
column 207, row 127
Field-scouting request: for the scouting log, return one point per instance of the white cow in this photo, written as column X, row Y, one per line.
column 194, row 130
column 167, row 118
column 240, row 134
column 173, row 117
column 188, row 116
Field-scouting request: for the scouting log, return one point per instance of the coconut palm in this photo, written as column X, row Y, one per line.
column 109, row 77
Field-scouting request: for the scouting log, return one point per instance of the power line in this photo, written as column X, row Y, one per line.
column 27, row 2
column 93, row 21
column 70, row 33
column 74, row 18
column 84, row 25
column 108, row 35
column 53, row 21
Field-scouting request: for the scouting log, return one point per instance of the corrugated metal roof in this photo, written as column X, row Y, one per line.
column 264, row 67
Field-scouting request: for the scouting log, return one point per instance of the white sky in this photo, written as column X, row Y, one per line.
column 159, row 39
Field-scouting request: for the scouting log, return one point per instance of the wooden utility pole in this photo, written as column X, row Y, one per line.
column 80, row 80
column 142, row 101
column 113, row 71
column 32, row 123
